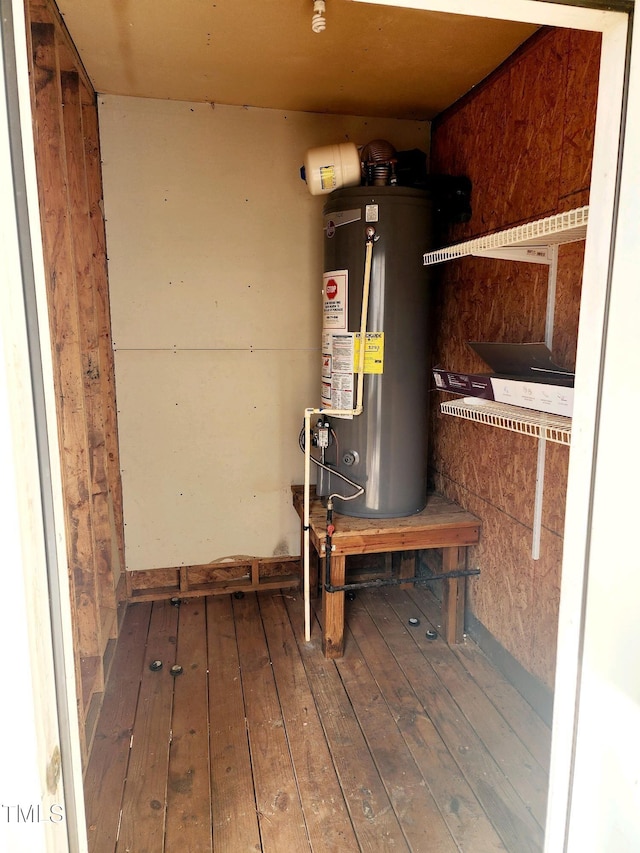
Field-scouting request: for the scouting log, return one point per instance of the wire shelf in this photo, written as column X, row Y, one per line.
column 533, row 237
column 554, row 428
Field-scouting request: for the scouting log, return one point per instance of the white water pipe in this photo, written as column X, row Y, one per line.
column 370, row 232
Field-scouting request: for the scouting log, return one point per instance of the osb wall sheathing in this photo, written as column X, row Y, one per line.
column 65, row 124
column 524, row 138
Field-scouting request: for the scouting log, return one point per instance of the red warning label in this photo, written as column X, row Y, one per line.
column 334, row 289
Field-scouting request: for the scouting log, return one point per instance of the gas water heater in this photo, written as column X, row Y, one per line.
column 384, row 448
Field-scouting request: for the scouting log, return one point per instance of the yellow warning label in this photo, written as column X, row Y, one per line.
column 328, row 177
column 373, row 353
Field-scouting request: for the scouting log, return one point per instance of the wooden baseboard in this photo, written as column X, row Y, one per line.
column 243, row 575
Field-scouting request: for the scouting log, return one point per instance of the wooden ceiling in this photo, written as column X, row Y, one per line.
column 370, row 60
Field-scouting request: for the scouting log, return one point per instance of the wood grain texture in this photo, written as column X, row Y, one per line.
column 525, row 140
column 497, row 735
column 372, row 815
column 235, row 817
column 514, row 593
column 68, row 171
column 103, row 322
column 412, row 800
column 404, row 743
column 280, row 813
column 142, row 825
column 531, row 730
column 104, row 783
column 441, row 523
column 327, row 819
column 583, row 59
column 515, row 824
column 67, row 357
column 188, row 824
column 454, row 796
column 86, row 290
column 333, row 609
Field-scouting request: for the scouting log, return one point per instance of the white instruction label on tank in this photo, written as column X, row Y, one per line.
column 371, row 213
column 342, row 349
column 334, row 299
column 338, row 350
column 342, row 391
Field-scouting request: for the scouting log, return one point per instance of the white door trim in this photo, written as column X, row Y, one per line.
column 41, row 730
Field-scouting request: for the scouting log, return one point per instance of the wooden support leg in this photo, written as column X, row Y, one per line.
column 333, row 611
column 407, row 567
column 453, row 596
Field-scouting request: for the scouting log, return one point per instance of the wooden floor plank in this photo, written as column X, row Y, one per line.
column 469, row 825
column 534, row 733
column 280, row 815
column 512, row 820
column 235, row 819
column 423, row 825
column 388, row 748
column 188, row 825
column 527, row 777
column 372, row 815
column 144, row 803
column 107, row 767
column 326, row 815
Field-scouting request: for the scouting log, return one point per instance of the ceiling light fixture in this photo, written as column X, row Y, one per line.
column 318, row 22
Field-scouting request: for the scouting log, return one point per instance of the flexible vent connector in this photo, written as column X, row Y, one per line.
column 379, row 158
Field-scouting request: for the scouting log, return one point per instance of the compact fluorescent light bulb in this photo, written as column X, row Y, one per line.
column 318, row 22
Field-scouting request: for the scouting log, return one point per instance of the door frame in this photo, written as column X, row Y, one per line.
column 27, row 418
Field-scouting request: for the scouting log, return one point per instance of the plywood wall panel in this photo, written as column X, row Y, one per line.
column 520, row 113
column 555, row 487
column 583, row 56
column 215, row 265
column 498, row 465
column 501, row 594
column 515, row 594
column 535, row 162
column 567, row 304
column 207, row 459
column 532, row 142
column 543, row 628
column 213, row 236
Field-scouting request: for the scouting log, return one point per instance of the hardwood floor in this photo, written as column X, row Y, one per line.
column 262, row 744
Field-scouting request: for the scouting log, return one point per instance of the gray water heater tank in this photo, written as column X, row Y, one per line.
column 385, row 448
